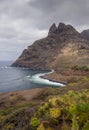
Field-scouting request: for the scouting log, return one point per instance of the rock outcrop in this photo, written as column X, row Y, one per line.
column 85, row 34
column 63, row 46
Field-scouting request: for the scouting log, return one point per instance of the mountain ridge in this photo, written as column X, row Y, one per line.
column 64, row 46
column 85, row 34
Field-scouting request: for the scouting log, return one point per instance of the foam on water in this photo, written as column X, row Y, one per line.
column 15, row 78
column 5, row 67
column 37, row 78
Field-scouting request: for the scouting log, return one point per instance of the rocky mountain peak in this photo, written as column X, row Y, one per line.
column 66, row 28
column 63, row 46
column 62, row 29
column 53, row 29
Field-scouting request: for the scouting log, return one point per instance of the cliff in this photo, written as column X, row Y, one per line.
column 63, row 46
column 85, row 34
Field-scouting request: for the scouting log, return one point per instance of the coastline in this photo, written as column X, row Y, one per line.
column 40, row 78
column 28, row 94
column 34, row 75
column 63, row 76
column 27, row 103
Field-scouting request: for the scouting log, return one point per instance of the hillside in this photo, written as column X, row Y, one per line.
column 45, row 109
column 85, row 34
column 63, row 46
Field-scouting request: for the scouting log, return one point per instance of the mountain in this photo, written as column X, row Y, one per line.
column 85, row 34
column 64, row 46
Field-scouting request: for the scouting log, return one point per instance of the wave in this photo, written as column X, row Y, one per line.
column 37, row 78
column 9, row 67
column 5, row 67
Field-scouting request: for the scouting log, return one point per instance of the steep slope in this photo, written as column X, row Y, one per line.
column 85, row 34
column 63, row 46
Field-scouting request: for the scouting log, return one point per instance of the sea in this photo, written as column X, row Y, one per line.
column 16, row 78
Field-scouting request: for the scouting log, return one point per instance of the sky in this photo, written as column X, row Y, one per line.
column 24, row 21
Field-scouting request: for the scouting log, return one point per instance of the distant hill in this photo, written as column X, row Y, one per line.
column 64, row 46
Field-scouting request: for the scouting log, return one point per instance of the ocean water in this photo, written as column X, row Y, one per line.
column 13, row 78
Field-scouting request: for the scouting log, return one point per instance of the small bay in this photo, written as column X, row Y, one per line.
column 14, row 78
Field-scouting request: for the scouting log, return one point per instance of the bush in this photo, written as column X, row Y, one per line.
column 65, row 127
column 86, row 126
column 34, row 122
column 41, row 127
column 9, row 127
column 75, row 125
column 55, row 112
column 77, row 67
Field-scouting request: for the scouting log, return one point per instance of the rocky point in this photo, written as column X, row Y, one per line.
column 64, row 46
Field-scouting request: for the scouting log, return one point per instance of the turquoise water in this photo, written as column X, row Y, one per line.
column 13, row 78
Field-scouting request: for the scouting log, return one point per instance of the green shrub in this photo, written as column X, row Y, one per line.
column 75, row 125
column 9, row 127
column 55, row 112
column 41, row 127
column 86, row 126
column 65, row 127
column 67, row 111
column 77, row 67
column 34, row 122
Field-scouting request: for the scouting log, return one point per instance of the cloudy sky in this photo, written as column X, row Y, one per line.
column 24, row 21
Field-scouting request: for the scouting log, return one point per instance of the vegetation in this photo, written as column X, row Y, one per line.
column 34, row 122
column 55, row 109
column 83, row 68
column 74, row 110
column 68, row 111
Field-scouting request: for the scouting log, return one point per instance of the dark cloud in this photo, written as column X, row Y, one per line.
column 24, row 21
column 69, row 11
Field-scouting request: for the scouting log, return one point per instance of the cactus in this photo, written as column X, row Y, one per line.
column 86, row 126
column 34, row 122
column 75, row 125
column 41, row 127
column 55, row 112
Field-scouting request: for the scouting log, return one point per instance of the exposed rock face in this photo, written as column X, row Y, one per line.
column 85, row 34
column 53, row 29
column 63, row 46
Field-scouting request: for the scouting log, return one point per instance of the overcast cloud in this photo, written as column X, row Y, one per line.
column 24, row 21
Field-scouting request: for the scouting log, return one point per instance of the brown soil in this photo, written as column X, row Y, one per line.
column 27, row 94
column 64, row 75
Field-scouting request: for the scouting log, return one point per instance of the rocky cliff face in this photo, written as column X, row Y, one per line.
column 63, row 46
column 85, row 34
